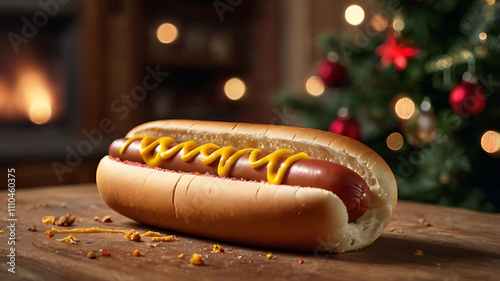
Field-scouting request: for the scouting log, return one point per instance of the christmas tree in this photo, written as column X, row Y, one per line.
column 419, row 83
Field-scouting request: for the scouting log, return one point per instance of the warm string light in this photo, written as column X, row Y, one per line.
column 234, row 88
column 395, row 141
column 461, row 57
column 354, row 15
column 379, row 22
column 404, row 108
column 315, row 86
column 483, row 36
column 398, row 25
column 490, row 142
column 167, row 33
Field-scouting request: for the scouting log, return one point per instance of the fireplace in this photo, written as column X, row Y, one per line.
column 27, row 92
column 40, row 86
column 38, row 76
column 63, row 66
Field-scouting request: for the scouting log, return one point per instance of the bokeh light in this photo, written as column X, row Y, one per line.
column 354, row 15
column 167, row 33
column 404, row 108
column 483, row 36
column 490, row 142
column 234, row 88
column 398, row 24
column 395, row 141
column 379, row 22
column 315, row 86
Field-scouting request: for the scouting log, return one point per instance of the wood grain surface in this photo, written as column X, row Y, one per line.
column 422, row 242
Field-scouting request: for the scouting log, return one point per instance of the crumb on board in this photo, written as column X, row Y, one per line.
column 91, row 255
column 64, row 204
column 424, row 222
column 32, row 228
column 2, row 231
column 300, row 261
column 196, row 259
column 49, row 219
column 106, row 254
column 49, row 234
column 169, row 238
column 151, row 234
column 393, row 229
column 133, row 236
column 217, row 249
column 66, row 220
column 180, row 256
column 88, row 230
column 152, row 245
column 270, row 256
column 106, row 219
column 418, row 252
column 137, row 253
column 96, row 218
column 70, row 239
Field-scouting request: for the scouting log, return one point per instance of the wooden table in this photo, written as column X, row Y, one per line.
column 423, row 242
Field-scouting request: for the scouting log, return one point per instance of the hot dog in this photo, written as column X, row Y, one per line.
column 346, row 184
column 338, row 207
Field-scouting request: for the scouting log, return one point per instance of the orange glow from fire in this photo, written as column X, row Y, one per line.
column 34, row 89
column 30, row 95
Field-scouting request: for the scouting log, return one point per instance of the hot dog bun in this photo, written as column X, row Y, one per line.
column 252, row 213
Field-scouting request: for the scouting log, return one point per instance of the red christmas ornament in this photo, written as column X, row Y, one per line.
column 332, row 73
column 467, row 99
column 395, row 52
column 345, row 126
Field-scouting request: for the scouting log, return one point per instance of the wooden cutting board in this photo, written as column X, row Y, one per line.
column 423, row 242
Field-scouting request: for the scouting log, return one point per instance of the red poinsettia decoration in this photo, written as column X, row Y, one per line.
column 395, row 52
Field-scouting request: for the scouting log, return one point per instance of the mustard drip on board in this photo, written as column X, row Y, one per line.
column 211, row 152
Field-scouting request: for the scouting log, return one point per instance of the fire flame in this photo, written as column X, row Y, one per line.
column 31, row 96
column 33, row 88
